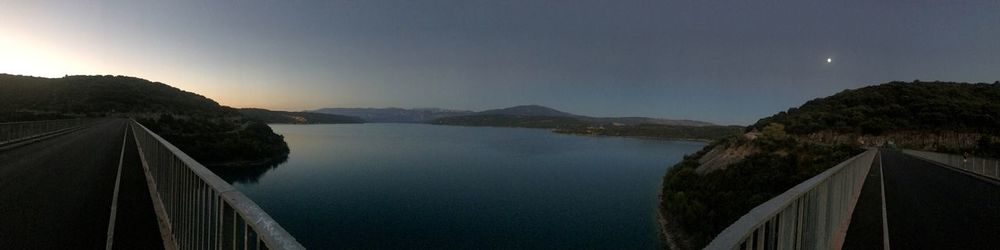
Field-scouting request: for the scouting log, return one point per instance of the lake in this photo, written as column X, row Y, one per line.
column 428, row 186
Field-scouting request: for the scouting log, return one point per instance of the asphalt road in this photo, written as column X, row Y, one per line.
column 933, row 207
column 57, row 193
column 865, row 230
column 135, row 222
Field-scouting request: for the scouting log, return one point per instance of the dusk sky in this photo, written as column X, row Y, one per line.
column 728, row 62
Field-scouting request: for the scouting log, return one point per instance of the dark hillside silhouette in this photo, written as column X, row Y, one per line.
column 214, row 135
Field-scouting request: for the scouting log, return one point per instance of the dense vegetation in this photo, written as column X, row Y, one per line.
column 211, row 133
column 898, row 106
column 658, row 131
column 699, row 205
column 527, row 111
column 702, row 205
column 535, row 116
column 575, row 125
column 513, row 121
column 419, row 115
column 82, row 95
column 217, row 142
column 285, row 117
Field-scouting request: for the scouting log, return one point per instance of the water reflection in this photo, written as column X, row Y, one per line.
column 393, row 186
column 248, row 174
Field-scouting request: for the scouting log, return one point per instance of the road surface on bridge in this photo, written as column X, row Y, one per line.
column 927, row 206
column 57, row 193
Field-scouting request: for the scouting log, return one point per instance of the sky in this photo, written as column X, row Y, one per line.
column 728, row 62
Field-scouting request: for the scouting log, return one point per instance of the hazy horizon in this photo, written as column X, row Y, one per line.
column 728, row 62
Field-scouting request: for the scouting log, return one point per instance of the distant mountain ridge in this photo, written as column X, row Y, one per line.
column 536, row 116
column 400, row 115
column 542, row 111
column 502, row 116
column 527, row 110
column 287, row 117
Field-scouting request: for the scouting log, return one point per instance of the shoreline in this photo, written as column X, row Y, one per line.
column 553, row 130
column 639, row 137
column 557, row 131
column 669, row 241
column 244, row 164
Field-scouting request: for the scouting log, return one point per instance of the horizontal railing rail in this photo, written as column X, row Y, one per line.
column 14, row 131
column 197, row 208
column 989, row 168
column 812, row 215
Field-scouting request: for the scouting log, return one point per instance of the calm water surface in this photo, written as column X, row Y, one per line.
column 426, row 186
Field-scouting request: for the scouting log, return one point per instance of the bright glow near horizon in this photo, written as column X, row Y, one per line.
column 25, row 59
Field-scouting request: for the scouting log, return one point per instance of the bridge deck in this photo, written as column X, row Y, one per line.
column 928, row 207
column 865, row 229
column 57, row 193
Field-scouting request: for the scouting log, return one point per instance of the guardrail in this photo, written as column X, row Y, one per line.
column 812, row 215
column 14, row 131
column 989, row 168
column 197, row 208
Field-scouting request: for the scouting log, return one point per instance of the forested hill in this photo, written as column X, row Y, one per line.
column 536, row 116
column 898, row 106
column 418, row 115
column 711, row 189
column 287, row 117
column 212, row 134
column 99, row 95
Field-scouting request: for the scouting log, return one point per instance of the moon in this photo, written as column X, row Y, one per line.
column 829, row 60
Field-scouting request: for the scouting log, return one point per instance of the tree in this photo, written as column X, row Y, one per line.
column 774, row 131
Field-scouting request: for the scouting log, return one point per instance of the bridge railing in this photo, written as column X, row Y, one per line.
column 989, row 168
column 812, row 215
column 13, row 131
column 199, row 209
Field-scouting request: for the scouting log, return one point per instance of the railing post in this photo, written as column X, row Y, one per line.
column 19, row 131
column 808, row 216
column 203, row 211
column 966, row 164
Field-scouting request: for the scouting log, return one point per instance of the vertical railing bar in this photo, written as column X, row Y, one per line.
column 236, row 229
column 205, row 206
column 195, row 214
column 186, row 201
column 191, row 210
column 206, row 222
column 182, row 209
column 815, row 209
column 181, row 219
column 208, row 219
column 221, row 223
column 213, row 220
column 174, row 176
column 198, row 214
column 246, row 235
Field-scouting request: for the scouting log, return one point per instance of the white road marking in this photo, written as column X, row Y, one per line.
column 885, row 220
column 114, row 199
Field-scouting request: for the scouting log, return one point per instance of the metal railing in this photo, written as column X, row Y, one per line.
column 989, row 168
column 197, row 208
column 812, row 215
column 14, row 131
